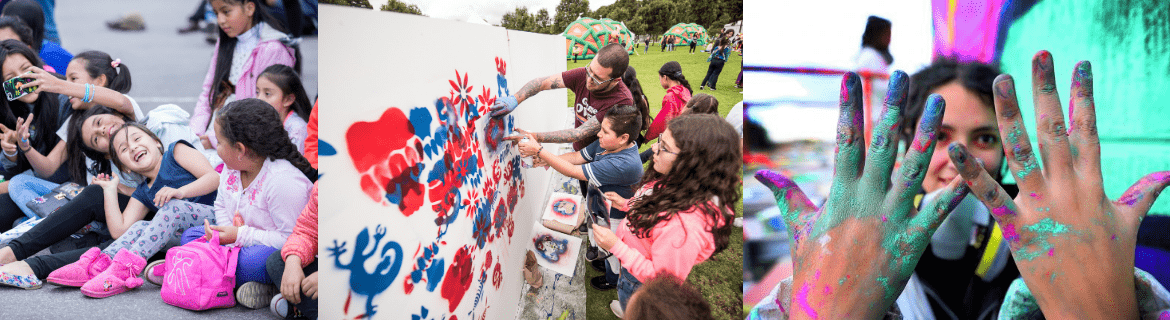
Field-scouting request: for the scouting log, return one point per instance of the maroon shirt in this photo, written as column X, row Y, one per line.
column 589, row 104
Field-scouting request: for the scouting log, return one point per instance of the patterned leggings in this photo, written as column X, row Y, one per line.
column 145, row 238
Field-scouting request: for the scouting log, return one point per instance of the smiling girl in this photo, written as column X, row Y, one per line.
column 681, row 214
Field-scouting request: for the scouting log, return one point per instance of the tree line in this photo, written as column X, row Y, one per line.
column 641, row 16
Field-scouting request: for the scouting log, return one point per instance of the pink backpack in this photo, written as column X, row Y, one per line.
column 200, row 275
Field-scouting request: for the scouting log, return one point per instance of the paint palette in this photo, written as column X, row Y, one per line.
column 555, row 250
column 563, row 212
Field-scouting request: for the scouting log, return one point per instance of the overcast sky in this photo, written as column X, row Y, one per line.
column 490, row 10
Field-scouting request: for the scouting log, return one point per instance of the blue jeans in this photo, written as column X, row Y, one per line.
column 25, row 187
column 713, row 71
column 626, row 286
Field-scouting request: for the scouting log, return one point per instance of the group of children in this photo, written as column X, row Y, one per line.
column 243, row 166
column 672, row 215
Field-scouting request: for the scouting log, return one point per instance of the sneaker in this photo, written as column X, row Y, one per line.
column 700, row 87
column 598, row 265
column 28, row 282
column 616, row 307
column 121, row 276
column 76, row 274
column 254, row 295
column 129, row 22
column 155, row 275
column 279, row 306
column 595, row 254
column 601, row 284
column 192, row 27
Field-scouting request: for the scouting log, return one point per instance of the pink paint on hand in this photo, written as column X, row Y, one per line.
column 1035, row 196
column 1009, row 233
column 1051, row 251
column 1002, row 211
column 801, row 298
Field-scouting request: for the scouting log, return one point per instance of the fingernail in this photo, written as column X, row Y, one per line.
column 849, row 83
column 896, row 95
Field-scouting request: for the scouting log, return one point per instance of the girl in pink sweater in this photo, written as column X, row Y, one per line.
column 249, row 41
column 681, row 214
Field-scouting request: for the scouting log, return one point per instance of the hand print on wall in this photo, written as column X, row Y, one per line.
column 419, row 156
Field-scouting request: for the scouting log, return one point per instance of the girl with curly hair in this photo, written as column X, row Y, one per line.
column 681, row 214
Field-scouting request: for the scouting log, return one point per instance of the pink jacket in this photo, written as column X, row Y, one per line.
column 268, row 52
column 303, row 241
column 672, row 105
column 673, row 246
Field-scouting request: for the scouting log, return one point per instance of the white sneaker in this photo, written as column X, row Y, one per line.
column 278, row 306
column 616, row 307
column 149, row 273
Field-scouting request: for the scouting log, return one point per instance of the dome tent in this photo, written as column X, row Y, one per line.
column 684, row 31
column 586, row 36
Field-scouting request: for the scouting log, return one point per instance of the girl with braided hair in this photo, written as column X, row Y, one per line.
column 263, row 188
column 681, row 214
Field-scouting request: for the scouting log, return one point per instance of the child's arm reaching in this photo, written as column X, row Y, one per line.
column 567, row 167
column 47, row 82
column 117, row 220
column 675, row 250
column 194, row 162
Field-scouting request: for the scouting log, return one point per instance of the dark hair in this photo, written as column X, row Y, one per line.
column 706, row 166
column 702, row 103
column 673, row 70
column 255, row 124
column 99, row 63
column 18, row 27
column 615, row 57
column 875, row 29
column 625, row 119
column 635, row 86
column 112, row 151
column 45, row 109
column 77, row 151
column 665, row 296
column 33, row 16
column 227, row 46
column 976, row 77
column 289, row 82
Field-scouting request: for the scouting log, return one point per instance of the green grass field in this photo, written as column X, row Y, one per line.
column 720, row 278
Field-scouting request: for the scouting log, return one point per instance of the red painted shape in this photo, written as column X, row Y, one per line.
column 458, row 278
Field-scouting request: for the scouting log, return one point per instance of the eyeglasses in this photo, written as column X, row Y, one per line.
column 594, row 78
column 659, row 146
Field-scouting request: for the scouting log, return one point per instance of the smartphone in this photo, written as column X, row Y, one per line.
column 13, row 91
column 598, row 207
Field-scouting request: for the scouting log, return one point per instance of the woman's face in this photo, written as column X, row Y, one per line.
column 76, row 73
column 15, row 65
column 137, row 150
column 969, row 122
column 270, row 93
column 233, row 18
column 665, row 152
column 96, row 131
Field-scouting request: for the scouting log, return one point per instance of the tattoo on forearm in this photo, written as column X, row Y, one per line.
column 529, row 89
column 586, row 129
column 557, row 83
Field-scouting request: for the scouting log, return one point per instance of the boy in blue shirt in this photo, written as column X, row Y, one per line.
column 611, row 164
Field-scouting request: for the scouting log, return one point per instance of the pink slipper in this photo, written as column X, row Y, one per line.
column 122, row 275
column 76, row 274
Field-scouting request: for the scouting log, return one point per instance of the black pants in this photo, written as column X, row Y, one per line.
column 275, row 266
column 713, row 71
column 692, row 47
column 9, row 212
column 86, row 207
column 199, row 13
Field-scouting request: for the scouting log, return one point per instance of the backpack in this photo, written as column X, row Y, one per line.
column 200, row 275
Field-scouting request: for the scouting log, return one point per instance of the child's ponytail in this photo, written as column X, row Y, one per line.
column 99, row 63
column 256, row 124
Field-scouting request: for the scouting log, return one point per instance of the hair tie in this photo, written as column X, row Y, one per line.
column 678, row 74
column 116, row 63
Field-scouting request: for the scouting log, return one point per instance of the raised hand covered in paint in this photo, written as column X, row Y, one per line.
column 852, row 257
column 504, row 106
column 1073, row 246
